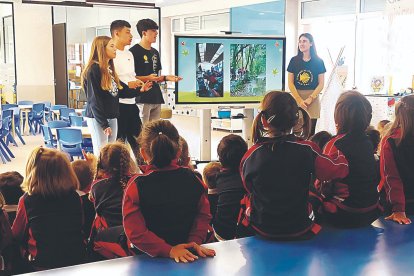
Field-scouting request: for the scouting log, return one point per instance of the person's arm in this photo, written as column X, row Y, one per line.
column 94, row 84
column 294, row 91
column 20, row 224
column 318, row 89
column 136, row 229
column 331, row 164
column 200, row 226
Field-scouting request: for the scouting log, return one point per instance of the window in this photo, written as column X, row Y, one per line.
column 176, row 27
column 215, row 21
column 372, row 5
column 192, row 23
column 321, row 8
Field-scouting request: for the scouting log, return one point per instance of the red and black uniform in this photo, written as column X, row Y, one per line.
column 165, row 207
column 397, row 172
column 276, row 174
column 49, row 230
column 230, row 192
column 352, row 201
column 107, row 231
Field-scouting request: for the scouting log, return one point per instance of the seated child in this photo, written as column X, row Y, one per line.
column 10, row 187
column 230, row 150
column 48, row 224
column 84, row 173
column 352, row 201
column 397, row 159
column 383, row 126
column 165, row 210
column 113, row 171
column 209, row 177
column 277, row 170
column 321, row 138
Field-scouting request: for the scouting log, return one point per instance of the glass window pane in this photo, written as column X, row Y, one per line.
column 176, row 25
column 214, row 21
column 192, row 23
column 372, row 5
column 322, row 8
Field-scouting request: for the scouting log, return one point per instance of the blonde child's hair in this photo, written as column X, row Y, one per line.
column 210, row 173
column 49, row 173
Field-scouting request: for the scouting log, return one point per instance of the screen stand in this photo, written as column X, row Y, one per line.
column 205, row 135
column 248, row 114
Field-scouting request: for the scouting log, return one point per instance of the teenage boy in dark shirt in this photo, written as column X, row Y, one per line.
column 147, row 68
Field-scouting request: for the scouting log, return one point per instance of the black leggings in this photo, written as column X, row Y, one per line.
column 129, row 125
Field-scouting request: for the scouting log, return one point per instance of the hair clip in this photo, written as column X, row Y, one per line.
column 271, row 118
column 159, row 133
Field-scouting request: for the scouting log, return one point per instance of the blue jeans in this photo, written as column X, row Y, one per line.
column 99, row 139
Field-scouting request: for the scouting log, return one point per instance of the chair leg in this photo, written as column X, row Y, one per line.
column 3, row 148
column 20, row 136
column 6, row 148
column 2, row 157
column 11, row 139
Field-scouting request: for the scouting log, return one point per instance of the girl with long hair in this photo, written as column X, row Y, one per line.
column 306, row 77
column 396, row 162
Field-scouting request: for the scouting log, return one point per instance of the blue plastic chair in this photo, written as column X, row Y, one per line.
column 55, row 108
column 64, row 113
column 8, row 126
column 48, row 137
column 16, row 116
column 76, row 120
column 58, row 124
column 5, row 136
column 70, row 141
column 36, row 117
column 48, row 113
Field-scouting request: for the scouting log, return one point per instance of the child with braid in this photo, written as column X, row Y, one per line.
column 114, row 169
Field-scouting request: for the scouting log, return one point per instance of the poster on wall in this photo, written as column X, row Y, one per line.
column 225, row 70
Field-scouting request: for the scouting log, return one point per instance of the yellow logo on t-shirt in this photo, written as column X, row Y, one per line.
column 145, row 58
column 304, row 77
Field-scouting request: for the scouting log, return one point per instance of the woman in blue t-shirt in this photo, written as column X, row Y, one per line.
column 306, row 77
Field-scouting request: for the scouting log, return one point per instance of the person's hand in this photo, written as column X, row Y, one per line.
column 146, row 86
column 301, row 103
column 399, row 217
column 203, row 251
column 180, row 253
column 108, row 131
column 173, row 78
column 89, row 157
column 308, row 101
column 135, row 84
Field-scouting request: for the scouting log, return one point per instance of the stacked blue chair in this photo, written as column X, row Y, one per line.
column 48, row 137
column 70, row 141
column 16, row 117
column 76, row 120
column 64, row 113
column 36, row 117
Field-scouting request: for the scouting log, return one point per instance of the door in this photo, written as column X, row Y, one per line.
column 60, row 63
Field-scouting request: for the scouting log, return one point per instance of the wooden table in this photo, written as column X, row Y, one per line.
column 26, row 109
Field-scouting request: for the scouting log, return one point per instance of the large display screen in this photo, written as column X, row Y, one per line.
column 225, row 70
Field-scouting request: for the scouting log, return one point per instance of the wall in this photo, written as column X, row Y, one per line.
column 34, row 52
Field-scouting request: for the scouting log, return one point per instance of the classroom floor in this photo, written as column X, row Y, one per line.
column 188, row 127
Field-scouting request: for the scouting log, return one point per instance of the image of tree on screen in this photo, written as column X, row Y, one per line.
column 247, row 70
column 209, row 75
